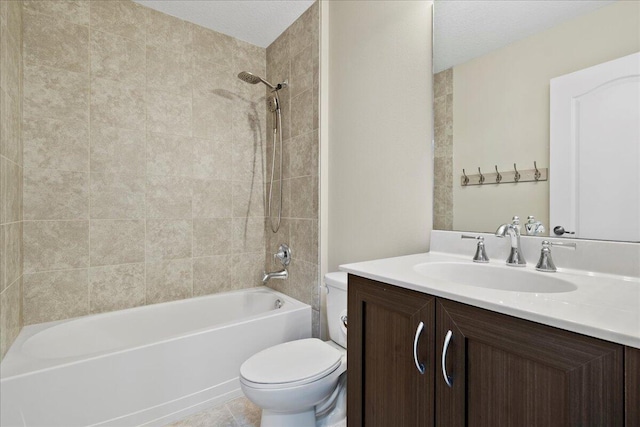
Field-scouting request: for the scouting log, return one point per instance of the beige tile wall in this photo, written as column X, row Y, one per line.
column 443, row 151
column 294, row 57
column 144, row 160
column 11, row 167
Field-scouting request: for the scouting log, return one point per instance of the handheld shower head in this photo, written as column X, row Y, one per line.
column 247, row 77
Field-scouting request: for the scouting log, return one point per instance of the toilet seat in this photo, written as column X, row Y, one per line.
column 291, row 364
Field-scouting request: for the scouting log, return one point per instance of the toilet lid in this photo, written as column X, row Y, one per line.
column 293, row 361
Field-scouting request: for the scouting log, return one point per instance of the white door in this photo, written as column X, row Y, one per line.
column 594, row 176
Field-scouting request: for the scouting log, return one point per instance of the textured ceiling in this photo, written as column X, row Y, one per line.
column 466, row 29
column 258, row 22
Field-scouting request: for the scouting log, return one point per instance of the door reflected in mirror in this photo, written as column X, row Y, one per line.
column 494, row 63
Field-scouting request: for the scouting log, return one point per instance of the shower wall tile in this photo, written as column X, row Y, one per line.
column 214, row 78
column 169, row 113
column 213, row 274
column 212, row 46
column 301, row 155
column 212, row 236
column 11, row 173
column 10, row 127
column 248, row 235
column 302, row 70
column 53, row 93
column 304, row 237
column 55, row 245
column 212, row 115
column 168, row 197
column 169, row 155
column 212, row 159
column 115, row 150
column 304, row 197
column 116, row 287
column 168, row 239
column 11, row 61
column 145, row 158
column 248, row 57
column 169, row 281
column 10, row 315
column 247, row 160
column 248, row 269
column 75, row 11
column 168, row 32
column 51, row 42
column 117, row 104
column 117, row 58
column 302, row 114
column 248, row 199
column 294, row 56
column 168, row 70
column 12, row 253
column 212, row 199
column 117, row 242
column 305, row 30
column 115, row 196
column 55, row 295
column 54, row 194
column 123, row 18
column 56, row 144
column 10, row 191
column 443, row 150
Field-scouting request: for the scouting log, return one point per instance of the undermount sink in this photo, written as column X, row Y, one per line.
column 503, row 278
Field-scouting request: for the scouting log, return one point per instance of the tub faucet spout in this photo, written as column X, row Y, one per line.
column 282, row 274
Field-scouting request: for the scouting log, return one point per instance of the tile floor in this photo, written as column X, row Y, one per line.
column 239, row 412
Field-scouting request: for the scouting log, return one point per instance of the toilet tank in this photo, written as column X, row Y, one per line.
column 337, row 306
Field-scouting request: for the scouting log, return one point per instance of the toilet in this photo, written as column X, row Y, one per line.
column 303, row 383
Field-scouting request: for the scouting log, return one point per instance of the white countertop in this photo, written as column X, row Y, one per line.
column 604, row 306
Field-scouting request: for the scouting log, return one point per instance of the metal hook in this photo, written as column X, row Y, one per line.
column 498, row 175
column 516, row 177
column 537, row 174
column 465, row 181
column 481, row 180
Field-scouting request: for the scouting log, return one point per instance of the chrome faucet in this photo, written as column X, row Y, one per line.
column 284, row 256
column 282, row 274
column 516, row 258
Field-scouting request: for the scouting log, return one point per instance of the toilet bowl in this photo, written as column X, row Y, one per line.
column 300, row 383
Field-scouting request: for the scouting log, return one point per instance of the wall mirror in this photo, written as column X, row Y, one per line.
column 544, row 97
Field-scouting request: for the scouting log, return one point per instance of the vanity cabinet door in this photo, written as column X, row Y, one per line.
column 385, row 388
column 632, row 386
column 511, row 372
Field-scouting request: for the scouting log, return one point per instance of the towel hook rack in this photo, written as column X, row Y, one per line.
column 498, row 175
column 516, row 177
column 465, row 180
column 537, row 174
column 481, row 179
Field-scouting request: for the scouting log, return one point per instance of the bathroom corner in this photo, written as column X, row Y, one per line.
column 11, row 171
column 294, row 57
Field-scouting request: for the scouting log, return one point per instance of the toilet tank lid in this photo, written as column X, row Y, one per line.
column 337, row 279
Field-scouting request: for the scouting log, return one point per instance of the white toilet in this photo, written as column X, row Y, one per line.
column 303, row 383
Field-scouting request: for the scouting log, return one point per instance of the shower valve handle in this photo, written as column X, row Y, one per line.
column 283, row 255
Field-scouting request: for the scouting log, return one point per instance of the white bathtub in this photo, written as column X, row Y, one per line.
column 143, row 366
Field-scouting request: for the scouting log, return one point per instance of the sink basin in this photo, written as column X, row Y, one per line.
column 503, row 278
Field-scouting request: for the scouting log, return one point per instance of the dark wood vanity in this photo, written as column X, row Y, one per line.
column 504, row 371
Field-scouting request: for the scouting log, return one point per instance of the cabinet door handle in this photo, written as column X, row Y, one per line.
column 419, row 365
column 445, row 347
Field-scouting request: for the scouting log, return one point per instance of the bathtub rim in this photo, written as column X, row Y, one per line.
column 16, row 370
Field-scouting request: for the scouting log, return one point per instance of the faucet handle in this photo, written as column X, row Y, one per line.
column 545, row 263
column 481, row 253
column 283, row 255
